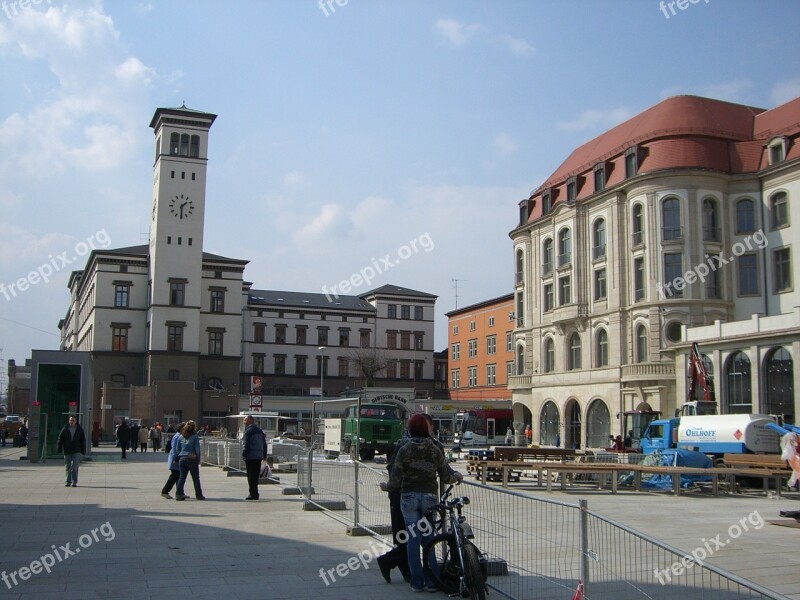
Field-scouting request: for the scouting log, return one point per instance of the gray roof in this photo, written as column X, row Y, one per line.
column 396, row 290
column 308, row 300
column 144, row 249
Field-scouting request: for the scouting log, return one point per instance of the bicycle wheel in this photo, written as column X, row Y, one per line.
column 476, row 584
column 440, row 562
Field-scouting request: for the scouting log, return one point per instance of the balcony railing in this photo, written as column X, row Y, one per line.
column 712, row 234
column 565, row 259
column 657, row 370
column 671, row 234
column 598, row 252
column 547, row 268
column 519, row 277
column 637, row 238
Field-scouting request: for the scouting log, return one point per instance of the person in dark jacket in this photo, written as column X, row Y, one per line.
column 124, row 437
column 134, row 436
column 72, row 443
column 254, row 450
column 414, row 470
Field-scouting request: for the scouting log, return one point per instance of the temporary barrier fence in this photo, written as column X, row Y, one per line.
column 538, row 548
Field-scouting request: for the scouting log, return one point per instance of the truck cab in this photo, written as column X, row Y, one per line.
column 660, row 435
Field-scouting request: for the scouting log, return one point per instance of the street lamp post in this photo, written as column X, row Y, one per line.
column 321, row 392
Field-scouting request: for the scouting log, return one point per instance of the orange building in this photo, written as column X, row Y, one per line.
column 481, row 351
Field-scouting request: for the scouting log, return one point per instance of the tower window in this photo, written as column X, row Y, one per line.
column 183, row 174
column 172, row 174
column 193, row 176
column 190, row 241
column 194, row 152
column 173, row 144
column 185, row 144
column 180, row 239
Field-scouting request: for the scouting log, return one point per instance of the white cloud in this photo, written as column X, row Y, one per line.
column 456, row 32
column 517, row 46
column 597, row 118
column 783, row 91
column 319, row 226
column 89, row 118
column 504, row 145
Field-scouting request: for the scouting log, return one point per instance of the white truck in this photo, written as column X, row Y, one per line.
column 713, row 434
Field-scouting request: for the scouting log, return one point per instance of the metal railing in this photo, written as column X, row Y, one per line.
column 544, row 548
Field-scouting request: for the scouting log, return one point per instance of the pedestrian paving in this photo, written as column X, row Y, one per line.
column 114, row 536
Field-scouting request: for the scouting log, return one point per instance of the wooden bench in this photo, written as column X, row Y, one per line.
column 761, row 461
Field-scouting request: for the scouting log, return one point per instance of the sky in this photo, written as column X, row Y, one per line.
column 348, row 131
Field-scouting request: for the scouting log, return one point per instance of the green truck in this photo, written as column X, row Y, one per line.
column 379, row 427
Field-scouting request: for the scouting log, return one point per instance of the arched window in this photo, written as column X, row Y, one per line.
column 185, row 144
column 637, row 225
column 640, row 349
column 598, row 425
column 671, row 219
column 745, row 216
column 520, row 360
column 174, row 141
column 194, row 150
column 739, row 396
column 520, row 266
column 601, row 348
column 599, row 239
column 711, row 231
column 547, row 256
column 549, row 425
column 780, row 384
column 574, row 361
column 572, row 421
column 564, row 247
column 549, row 355
column 779, row 209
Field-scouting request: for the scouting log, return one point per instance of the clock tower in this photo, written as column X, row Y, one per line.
column 176, row 236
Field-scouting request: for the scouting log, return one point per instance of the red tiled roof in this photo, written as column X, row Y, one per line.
column 676, row 116
column 781, row 120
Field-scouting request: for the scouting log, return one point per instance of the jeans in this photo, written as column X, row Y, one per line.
column 71, row 464
column 414, row 506
column 190, row 465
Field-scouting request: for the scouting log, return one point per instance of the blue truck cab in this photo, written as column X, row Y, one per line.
column 660, row 435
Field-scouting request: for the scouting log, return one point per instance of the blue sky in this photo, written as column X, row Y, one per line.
column 342, row 136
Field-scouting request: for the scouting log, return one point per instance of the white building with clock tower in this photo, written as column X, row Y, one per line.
column 163, row 321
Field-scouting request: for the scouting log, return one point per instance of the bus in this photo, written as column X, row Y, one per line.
column 482, row 427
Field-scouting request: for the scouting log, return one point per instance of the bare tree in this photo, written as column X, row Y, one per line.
column 370, row 362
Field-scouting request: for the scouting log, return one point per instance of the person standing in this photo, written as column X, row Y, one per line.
column 509, row 436
column 72, row 443
column 3, row 434
column 155, row 438
column 144, row 434
column 134, row 436
column 124, row 437
column 414, row 471
column 188, row 449
column 254, row 450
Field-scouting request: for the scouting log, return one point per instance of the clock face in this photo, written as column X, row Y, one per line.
column 180, row 206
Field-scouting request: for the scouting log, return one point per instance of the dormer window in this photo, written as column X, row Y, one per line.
column 600, row 177
column 547, row 202
column 777, row 150
column 525, row 208
column 631, row 161
column 572, row 189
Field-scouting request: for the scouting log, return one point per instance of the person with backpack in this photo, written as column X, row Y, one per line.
column 254, row 450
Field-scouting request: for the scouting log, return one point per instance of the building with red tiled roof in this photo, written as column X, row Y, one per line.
column 672, row 227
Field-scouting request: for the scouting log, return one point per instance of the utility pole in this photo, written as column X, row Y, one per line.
column 455, row 285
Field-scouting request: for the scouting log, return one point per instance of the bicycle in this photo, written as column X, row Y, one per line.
column 451, row 559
